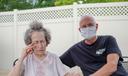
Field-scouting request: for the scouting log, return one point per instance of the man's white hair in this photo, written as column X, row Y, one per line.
column 87, row 15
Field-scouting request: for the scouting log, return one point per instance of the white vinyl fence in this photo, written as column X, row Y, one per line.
column 63, row 24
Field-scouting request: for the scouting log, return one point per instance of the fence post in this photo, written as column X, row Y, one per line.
column 75, row 23
column 15, row 33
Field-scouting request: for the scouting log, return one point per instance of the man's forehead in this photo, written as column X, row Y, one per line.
column 87, row 18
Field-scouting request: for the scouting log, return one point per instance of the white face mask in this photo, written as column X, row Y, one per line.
column 88, row 32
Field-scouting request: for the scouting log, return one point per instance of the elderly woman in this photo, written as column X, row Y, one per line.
column 35, row 60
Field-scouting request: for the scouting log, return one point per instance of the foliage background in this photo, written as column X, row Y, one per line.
column 9, row 5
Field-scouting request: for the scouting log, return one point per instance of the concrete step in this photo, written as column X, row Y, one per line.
column 3, row 72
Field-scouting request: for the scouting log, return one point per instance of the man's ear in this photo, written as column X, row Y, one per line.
column 96, row 26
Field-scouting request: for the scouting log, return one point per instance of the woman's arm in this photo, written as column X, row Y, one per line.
column 18, row 68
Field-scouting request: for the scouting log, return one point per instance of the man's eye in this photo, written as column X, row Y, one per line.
column 84, row 26
column 90, row 24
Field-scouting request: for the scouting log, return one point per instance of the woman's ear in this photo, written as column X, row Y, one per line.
column 79, row 29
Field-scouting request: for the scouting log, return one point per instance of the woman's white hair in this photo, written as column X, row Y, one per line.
column 33, row 27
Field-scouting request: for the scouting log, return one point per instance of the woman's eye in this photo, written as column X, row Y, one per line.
column 42, row 41
column 36, row 42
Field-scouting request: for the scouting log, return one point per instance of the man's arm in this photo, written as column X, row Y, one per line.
column 109, row 67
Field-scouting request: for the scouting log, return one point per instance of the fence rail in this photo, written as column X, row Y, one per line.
column 64, row 12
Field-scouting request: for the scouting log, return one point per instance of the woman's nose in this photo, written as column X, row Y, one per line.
column 40, row 45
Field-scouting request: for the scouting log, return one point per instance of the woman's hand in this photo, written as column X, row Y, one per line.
column 17, row 69
column 75, row 71
column 27, row 50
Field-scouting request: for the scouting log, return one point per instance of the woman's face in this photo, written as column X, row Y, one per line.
column 38, row 38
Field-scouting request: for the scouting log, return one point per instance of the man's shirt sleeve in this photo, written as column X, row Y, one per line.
column 112, row 47
column 67, row 59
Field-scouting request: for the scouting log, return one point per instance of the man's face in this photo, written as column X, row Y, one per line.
column 87, row 22
column 39, row 41
column 88, row 27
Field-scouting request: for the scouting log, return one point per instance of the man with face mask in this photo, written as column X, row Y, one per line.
column 95, row 55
